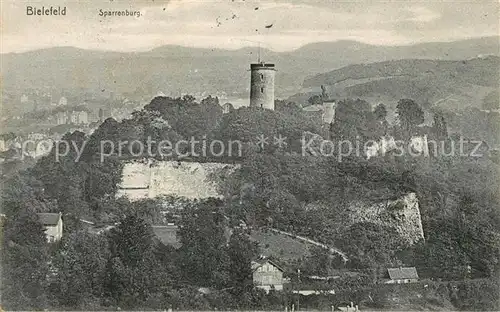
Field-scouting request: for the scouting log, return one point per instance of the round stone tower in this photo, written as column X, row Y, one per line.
column 262, row 85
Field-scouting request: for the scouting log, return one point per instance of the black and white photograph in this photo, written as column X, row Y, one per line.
column 250, row 155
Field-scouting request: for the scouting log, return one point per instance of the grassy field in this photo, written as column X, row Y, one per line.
column 279, row 246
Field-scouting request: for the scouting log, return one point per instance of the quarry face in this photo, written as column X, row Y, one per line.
column 149, row 179
column 402, row 213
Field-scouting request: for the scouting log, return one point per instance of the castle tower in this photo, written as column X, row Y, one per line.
column 262, row 85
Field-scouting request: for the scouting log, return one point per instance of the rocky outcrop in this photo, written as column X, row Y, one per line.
column 403, row 214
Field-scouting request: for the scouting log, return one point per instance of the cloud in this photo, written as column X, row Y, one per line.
column 234, row 24
column 422, row 14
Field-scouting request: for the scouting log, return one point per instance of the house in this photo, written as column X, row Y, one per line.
column 53, row 224
column 267, row 275
column 227, row 108
column 402, row 275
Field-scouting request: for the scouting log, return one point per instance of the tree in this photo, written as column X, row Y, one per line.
column 492, row 101
column 108, row 130
column 148, row 210
column 7, row 136
column 102, row 179
column 285, row 209
column 241, row 251
column 246, row 123
column 25, row 267
column 23, row 193
column 210, row 101
column 354, row 119
column 133, row 270
column 315, row 100
column 76, row 183
column 410, row 114
column 443, row 252
column 380, row 112
column 185, row 116
column 324, row 94
column 286, row 106
column 64, row 180
column 318, row 262
column 202, row 235
column 81, row 266
column 371, row 245
column 439, row 126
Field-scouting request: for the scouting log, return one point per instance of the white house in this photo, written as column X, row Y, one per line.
column 53, row 224
column 267, row 275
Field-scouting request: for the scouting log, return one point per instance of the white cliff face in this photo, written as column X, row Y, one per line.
column 403, row 214
column 184, row 179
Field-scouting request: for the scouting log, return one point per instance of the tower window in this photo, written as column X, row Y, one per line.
column 262, row 90
column 262, row 76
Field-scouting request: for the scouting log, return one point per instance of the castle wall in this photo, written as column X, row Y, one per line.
column 262, row 86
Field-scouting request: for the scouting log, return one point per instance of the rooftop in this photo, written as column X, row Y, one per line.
column 49, row 218
column 402, row 273
column 260, row 262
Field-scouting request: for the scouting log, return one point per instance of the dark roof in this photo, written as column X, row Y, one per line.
column 48, row 218
column 260, row 262
column 402, row 273
column 167, row 234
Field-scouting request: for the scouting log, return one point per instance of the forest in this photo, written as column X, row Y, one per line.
column 128, row 267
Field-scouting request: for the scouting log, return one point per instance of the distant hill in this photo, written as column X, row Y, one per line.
column 174, row 69
column 460, row 89
column 481, row 71
column 433, row 83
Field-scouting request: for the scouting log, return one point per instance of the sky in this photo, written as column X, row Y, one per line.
column 233, row 24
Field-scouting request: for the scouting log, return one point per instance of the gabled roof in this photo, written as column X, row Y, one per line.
column 402, row 273
column 260, row 262
column 48, row 218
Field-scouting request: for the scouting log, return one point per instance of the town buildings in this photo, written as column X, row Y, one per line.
column 72, row 117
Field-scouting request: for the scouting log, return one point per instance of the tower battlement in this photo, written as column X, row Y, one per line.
column 262, row 65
